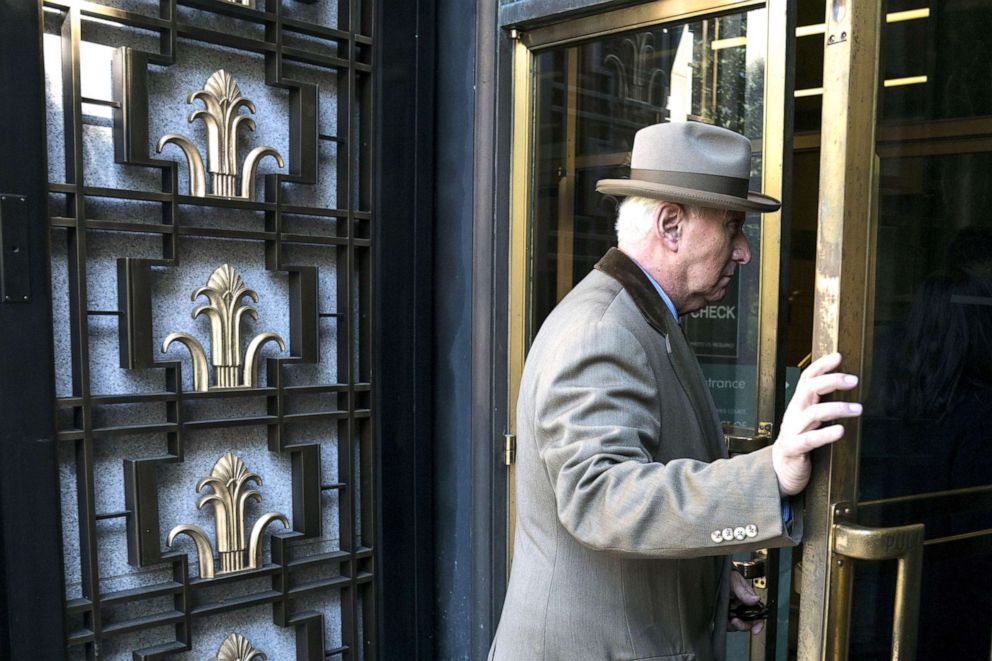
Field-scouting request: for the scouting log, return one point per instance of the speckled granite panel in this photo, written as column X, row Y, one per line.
column 209, row 633
column 172, row 287
column 255, row 624
column 320, row 13
column 144, row 7
column 220, row 23
column 60, row 314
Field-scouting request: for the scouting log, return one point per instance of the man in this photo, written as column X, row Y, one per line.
column 627, row 506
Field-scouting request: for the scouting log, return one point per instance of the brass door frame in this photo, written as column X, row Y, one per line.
column 525, row 45
column 842, row 307
column 629, row 18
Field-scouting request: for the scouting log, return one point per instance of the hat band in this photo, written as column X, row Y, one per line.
column 709, row 183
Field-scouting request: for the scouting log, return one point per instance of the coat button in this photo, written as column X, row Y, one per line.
column 727, row 534
column 739, row 533
column 751, row 530
column 716, row 536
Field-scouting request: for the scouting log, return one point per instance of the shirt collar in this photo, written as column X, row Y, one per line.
column 661, row 292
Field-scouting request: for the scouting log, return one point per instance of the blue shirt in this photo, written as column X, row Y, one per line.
column 661, row 292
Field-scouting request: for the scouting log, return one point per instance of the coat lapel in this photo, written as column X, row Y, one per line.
column 622, row 268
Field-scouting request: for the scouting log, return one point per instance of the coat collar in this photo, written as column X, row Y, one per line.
column 622, row 268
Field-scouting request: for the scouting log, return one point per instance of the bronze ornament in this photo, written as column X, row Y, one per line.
column 225, row 290
column 229, row 480
column 222, row 102
column 238, row 648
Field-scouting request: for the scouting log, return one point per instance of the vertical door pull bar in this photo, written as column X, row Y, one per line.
column 902, row 543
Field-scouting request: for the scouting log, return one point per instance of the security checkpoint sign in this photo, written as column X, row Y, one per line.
column 713, row 330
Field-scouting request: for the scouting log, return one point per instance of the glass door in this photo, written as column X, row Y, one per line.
column 899, row 514
column 581, row 91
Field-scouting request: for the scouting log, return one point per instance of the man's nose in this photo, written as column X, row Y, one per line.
column 742, row 251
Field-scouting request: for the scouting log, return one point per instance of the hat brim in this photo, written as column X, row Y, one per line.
column 634, row 187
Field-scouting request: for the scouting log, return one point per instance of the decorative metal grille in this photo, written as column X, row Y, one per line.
column 130, row 234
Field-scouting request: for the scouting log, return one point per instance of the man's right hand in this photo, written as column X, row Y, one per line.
column 801, row 431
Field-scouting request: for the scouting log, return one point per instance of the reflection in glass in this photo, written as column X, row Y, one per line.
column 926, row 424
column 590, row 100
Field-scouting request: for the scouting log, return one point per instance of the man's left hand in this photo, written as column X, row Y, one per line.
column 741, row 591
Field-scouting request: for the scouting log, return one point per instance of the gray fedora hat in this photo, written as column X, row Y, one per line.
column 692, row 163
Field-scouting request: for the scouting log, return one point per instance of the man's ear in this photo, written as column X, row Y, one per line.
column 668, row 224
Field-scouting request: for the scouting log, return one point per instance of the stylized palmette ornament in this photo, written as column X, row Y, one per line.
column 639, row 82
column 221, row 114
column 237, row 648
column 230, row 481
column 224, row 291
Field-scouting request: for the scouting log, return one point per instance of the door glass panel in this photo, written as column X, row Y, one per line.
column 929, row 388
column 590, row 100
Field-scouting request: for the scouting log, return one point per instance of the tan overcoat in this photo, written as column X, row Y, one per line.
column 627, row 505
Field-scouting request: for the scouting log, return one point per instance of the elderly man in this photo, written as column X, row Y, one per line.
column 627, row 505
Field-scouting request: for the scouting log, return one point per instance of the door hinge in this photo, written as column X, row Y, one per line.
column 509, row 449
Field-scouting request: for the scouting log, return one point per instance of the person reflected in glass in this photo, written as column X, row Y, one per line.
column 939, row 400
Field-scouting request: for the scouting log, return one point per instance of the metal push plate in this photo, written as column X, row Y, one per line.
column 15, row 280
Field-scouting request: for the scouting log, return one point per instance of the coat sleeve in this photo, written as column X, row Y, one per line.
column 597, row 425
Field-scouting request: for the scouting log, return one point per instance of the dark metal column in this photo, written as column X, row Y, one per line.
column 31, row 595
column 404, row 204
column 470, row 332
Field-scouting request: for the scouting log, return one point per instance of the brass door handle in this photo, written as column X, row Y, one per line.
column 745, row 444
column 901, row 543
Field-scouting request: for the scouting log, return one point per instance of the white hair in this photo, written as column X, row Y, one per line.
column 634, row 219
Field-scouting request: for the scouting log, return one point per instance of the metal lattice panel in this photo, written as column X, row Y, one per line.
column 131, row 230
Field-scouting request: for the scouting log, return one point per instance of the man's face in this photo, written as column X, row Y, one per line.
column 712, row 245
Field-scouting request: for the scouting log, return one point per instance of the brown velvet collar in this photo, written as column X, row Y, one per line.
column 624, row 270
